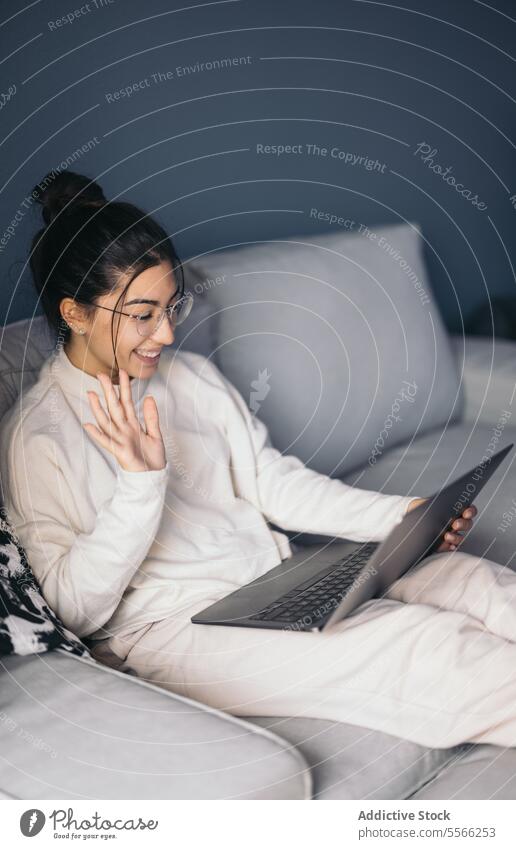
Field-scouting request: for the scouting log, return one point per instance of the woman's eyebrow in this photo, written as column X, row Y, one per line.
column 148, row 300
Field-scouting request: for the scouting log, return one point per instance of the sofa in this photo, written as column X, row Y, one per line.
column 320, row 333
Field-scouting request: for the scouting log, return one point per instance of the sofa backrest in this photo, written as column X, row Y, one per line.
column 335, row 341
column 24, row 346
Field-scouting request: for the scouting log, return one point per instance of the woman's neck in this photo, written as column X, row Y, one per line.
column 81, row 357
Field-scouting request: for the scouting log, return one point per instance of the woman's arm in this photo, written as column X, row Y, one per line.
column 82, row 573
column 299, row 499
column 84, row 568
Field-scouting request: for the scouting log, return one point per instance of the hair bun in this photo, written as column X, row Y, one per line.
column 66, row 191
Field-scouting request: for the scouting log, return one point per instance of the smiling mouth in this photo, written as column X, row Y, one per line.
column 148, row 356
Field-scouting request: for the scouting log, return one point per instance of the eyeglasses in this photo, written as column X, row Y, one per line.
column 148, row 322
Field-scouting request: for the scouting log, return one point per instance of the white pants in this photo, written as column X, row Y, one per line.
column 433, row 662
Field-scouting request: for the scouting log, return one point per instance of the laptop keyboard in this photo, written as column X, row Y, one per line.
column 308, row 598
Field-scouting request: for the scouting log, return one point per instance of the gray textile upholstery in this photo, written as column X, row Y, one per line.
column 422, row 466
column 72, row 728
column 481, row 772
column 350, row 762
column 330, row 327
column 488, row 369
column 24, row 345
column 86, row 714
column 82, row 730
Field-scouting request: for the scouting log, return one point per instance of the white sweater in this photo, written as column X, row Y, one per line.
column 114, row 550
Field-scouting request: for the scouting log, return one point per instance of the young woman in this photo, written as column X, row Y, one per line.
column 141, row 487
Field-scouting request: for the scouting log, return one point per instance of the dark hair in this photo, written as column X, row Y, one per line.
column 87, row 242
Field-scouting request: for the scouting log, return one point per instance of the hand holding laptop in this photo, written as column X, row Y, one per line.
column 320, row 585
column 464, row 523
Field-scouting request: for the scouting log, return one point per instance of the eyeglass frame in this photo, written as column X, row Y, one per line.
column 165, row 310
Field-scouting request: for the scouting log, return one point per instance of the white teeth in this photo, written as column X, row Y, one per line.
column 149, row 356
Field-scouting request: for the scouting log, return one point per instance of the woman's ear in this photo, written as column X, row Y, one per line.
column 74, row 314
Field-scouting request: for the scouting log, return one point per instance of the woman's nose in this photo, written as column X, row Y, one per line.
column 165, row 332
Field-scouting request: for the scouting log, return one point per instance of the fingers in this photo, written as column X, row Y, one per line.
column 462, row 524
column 454, row 539
column 97, row 435
column 99, row 412
column 458, row 529
column 126, row 398
column 151, row 417
column 113, row 403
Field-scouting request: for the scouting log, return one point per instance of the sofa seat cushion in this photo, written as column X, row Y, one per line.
column 480, row 772
column 351, row 762
column 71, row 728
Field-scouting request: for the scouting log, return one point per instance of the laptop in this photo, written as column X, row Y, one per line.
column 320, row 585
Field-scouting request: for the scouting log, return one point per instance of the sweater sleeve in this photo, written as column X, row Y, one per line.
column 300, row 499
column 297, row 498
column 82, row 574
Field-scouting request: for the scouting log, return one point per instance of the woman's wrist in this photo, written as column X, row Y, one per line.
column 415, row 503
column 137, row 469
column 141, row 478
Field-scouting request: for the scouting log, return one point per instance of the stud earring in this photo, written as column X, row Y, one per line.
column 76, row 330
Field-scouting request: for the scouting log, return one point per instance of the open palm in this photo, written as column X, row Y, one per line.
column 136, row 449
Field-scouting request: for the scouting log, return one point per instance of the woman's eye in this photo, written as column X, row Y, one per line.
column 145, row 317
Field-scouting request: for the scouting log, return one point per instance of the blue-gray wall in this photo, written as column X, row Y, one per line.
column 373, row 80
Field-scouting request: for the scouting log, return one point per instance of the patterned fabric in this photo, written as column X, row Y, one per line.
column 27, row 624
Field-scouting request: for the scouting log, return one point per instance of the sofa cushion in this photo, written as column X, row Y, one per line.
column 335, row 341
column 27, row 624
column 479, row 772
column 351, row 762
column 24, row 346
column 71, row 728
column 488, row 370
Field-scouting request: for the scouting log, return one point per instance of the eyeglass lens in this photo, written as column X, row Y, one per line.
column 177, row 315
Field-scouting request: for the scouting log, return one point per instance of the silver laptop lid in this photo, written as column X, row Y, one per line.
column 420, row 531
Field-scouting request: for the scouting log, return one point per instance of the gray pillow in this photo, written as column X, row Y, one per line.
column 334, row 341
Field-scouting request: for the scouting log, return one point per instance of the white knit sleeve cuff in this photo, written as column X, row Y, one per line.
column 142, row 481
column 403, row 506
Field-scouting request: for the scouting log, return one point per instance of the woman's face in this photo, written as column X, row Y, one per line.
column 136, row 353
